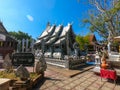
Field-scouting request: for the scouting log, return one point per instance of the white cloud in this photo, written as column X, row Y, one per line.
column 30, row 18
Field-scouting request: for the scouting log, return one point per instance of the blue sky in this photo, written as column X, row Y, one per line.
column 31, row 16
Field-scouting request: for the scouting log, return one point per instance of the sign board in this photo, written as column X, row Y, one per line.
column 25, row 59
column 2, row 37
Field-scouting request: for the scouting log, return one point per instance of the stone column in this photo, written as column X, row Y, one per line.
column 109, row 42
column 51, row 50
column 67, row 64
column 26, row 45
column 43, row 46
column 19, row 46
column 32, row 46
column 109, row 50
column 23, row 44
column 67, row 44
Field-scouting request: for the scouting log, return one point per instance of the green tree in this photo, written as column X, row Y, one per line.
column 104, row 17
column 83, row 41
column 20, row 35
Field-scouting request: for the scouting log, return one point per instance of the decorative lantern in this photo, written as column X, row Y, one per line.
column 97, row 58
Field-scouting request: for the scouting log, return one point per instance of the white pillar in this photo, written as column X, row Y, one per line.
column 19, row 46
column 23, row 44
column 32, row 45
column 43, row 46
column 26, row 45
column 109, row 47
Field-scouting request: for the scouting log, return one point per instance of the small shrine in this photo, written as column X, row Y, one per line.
column 94, row 45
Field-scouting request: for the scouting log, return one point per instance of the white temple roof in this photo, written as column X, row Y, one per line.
column 48, row 30
column 45, row 32
column 54, row 34
column 60, row 40
column 51, row 39
column 65, row 30
column 38, row 41
column 57, row 30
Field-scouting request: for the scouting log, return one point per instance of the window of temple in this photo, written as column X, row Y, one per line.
column 56, row 46
column 90, row 48
column 3, row 44
column 9, row 44
column 0, row 44
column 13, row 44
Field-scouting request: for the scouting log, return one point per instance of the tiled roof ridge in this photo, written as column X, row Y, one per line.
column 58, row 32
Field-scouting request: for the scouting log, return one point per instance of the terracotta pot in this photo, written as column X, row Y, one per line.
column 104, row 65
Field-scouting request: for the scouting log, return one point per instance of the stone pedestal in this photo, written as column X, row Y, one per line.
column 4, row 84
column 96, row 69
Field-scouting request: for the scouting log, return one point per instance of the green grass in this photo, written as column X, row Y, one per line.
column 11, row 75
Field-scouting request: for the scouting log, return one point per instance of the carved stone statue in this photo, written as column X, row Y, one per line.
column 22, row 72
column 7, row 63
column 97, row 58
column 76, row 48
column 109, row 41
column 41, row 65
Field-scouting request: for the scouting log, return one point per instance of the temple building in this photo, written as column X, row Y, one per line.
column 59, row 41
column 56, row 41
column 7, row 43
column 94, row 45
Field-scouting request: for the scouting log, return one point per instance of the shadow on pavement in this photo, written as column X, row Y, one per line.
column 82, row 67
column 41, row 82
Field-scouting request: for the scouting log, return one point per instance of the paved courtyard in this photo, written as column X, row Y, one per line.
column 59, row 79
column 83, row 81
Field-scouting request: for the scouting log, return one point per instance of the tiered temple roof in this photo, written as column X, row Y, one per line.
column 63, row 34
column 55, row 34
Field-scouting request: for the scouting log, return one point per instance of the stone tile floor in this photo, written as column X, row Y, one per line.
column 87, row 80
column 83, row 81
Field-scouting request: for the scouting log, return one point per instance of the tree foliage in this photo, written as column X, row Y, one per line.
column 20, row 35
column 105, row 17
column 83, row 41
